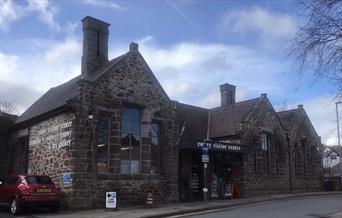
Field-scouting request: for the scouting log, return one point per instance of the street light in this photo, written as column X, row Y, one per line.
column 338, row 136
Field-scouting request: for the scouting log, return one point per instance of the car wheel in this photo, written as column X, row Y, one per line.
column 15, row 206
column 54, row 208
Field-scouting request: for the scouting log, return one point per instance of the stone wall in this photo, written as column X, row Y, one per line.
column 276, row 178
column 44, row 148
column 308, row 168
column 273, row 178
column 130, row 83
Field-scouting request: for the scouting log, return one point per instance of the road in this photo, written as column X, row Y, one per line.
column 313, row 206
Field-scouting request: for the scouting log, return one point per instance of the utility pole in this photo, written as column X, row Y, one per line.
column 338, row 137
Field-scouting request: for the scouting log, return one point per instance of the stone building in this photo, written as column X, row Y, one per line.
column 110, row 129
column 113, row 128
column 252, row 146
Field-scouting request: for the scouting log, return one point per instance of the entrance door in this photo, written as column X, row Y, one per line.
column 220, row 174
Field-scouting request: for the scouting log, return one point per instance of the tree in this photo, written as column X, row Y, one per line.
column 7, row 107
column 317, row 45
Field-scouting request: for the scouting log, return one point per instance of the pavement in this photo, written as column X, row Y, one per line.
column 174, row 209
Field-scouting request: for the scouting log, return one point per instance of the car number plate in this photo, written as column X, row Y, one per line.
column 43, row 190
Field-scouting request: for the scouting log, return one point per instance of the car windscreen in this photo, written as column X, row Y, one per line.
column 38, row 180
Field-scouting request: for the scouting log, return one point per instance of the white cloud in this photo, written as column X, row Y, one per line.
column 321, row 111
column 271, row 27
column 11, row 11
column 24, row 78
column 201, row 68
column 104, row 4
column 46, row 12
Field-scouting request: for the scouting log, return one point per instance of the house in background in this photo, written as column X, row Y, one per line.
column 331, row 162
column 113, row 128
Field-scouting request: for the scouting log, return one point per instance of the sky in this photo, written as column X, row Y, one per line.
column 191, row 46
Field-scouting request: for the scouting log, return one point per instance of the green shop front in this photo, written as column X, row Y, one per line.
column 224, row 170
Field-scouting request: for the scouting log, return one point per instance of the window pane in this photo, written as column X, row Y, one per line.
column 103, row 130
column 125, row 146
column 155, row 129
column 155, row 148
column 131, row 120
column 130, row 141
column 102, row 143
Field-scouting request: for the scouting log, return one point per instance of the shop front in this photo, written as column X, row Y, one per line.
column 224, row 170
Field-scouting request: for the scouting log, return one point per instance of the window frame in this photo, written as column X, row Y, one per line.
column 103, row 114
column 158, row 123
column 139, row 109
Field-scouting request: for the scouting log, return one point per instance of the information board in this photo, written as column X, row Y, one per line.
column 111, row 200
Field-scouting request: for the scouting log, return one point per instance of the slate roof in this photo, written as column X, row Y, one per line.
column 196, row 121
column 58, row 96
column 225, row 121
column 52, row 99
column 288, row 118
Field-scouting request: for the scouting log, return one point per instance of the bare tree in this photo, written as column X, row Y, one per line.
column 281, row 106
column 318, row 43
column 7, row 106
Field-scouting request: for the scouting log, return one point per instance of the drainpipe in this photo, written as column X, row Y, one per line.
column 290, row 165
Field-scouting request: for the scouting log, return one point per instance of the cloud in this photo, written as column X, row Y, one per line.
column 104, row 4
column 46, row 12
column 11, row 11
column 271, row 28
column 321, row 111
column 181, row 13
column 24, row 78
column 189, row 71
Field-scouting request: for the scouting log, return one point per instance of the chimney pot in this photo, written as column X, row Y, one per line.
column 133, row 46
column 263, row 95
column 300, row 106
column 227, row 94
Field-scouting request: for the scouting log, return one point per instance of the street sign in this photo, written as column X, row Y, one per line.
column 111, row 200
column 205, row 158
column 205, row 149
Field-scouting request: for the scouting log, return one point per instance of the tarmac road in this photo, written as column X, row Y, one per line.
column 310, row 206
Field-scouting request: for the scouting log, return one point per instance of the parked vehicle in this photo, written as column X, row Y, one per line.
column 22, row 191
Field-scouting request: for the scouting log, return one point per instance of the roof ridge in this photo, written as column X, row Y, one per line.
column 192, row 105
column 237, row 103
column 295, row 109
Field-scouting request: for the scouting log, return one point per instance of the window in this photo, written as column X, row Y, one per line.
column 264, row 141
column 265, row 146
column 130, row 141
column 155, row 148
column 303, row 143
column 45, row 180
column 102, row 143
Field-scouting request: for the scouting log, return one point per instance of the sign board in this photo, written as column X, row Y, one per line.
column 228, row 147
column 205, row 149
column 205, row 158
column 228, row 191
column 111, row 200
column 67, row 178
column 150, row 199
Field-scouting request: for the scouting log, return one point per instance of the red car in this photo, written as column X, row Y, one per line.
column 21, row 191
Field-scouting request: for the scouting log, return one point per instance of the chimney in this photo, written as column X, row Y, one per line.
column 227, row 94
column 263, row 96
column 95, row 44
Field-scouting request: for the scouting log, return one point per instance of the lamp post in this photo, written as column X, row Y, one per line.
column 338, row 136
